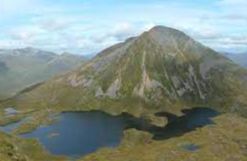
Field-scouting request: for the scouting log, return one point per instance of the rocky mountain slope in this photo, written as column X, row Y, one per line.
column 162, row 69
column 21, row 68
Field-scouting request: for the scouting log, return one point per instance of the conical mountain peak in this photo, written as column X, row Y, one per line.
column 161, row 67
column 162, row 33
column 163, row 29
column 171, row 40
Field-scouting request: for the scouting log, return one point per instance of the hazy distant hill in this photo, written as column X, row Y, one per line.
column 241, row 59
column 20, row 68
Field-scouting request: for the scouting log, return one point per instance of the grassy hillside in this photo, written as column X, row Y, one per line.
column 16, row 149
column 21, row 68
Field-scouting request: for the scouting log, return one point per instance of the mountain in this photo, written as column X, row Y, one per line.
column 162, row 69
column 240, row 59
column 20, row 68
column 3, row 67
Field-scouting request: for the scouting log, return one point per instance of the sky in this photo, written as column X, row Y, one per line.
column 86, row 27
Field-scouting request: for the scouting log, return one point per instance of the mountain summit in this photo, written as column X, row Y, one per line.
column 162, row 69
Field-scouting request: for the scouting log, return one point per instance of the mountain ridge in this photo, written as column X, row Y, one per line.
column 163, row 69
column 21, row 68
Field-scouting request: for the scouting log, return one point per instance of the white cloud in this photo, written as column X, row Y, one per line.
column 231, row 43
column 25, row 33
column 123, row 30
column 85, row 29
column 206, row 34
column 8, row 44
column 54, row 24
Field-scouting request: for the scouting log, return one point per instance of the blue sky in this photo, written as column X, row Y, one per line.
column 86, row 27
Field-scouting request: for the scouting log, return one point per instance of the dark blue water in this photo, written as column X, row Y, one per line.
column 80, row 133
column 76, row 134
column 177, row 126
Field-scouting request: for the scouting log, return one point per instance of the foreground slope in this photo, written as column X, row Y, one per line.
column 162, row 69
column 20, row 68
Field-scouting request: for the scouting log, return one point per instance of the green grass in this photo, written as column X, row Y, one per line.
column 15, row 149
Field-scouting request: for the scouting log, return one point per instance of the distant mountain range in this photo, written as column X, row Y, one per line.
column 162, row 69
column 20, row 68
column 240, row 59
